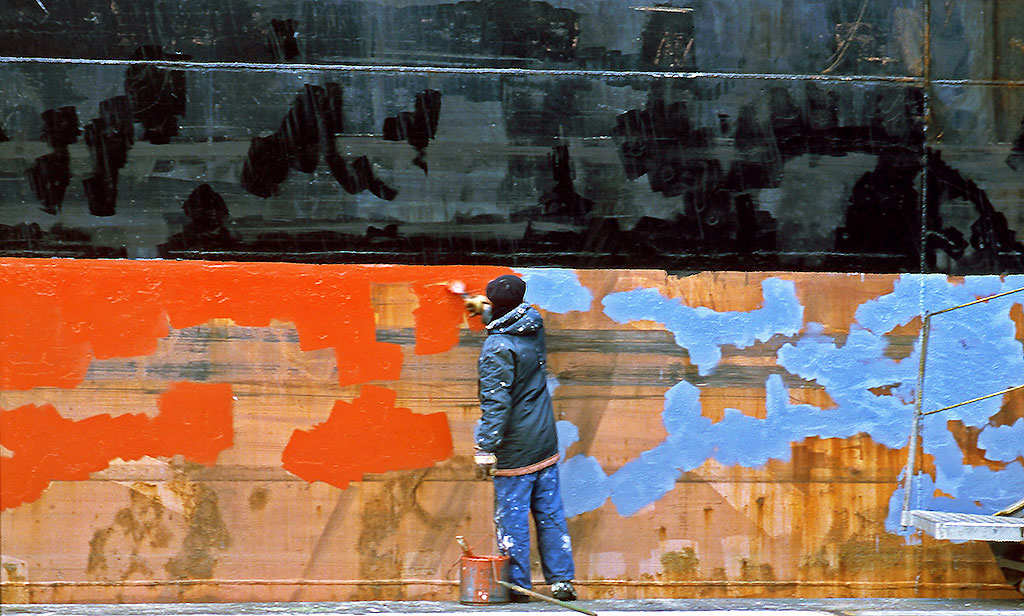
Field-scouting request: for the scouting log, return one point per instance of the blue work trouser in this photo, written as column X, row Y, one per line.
column 514, row 498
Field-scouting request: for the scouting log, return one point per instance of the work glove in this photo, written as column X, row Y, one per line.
column 475, row 304
column 485, row 463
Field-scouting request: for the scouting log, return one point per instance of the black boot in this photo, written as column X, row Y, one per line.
column 563, row 591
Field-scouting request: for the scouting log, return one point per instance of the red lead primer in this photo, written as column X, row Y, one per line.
column 59, row 314
column 194, row 421
column 368, row 435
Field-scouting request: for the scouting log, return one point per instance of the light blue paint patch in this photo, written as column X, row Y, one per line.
column 682, row 410
column 751, row 442
column 988, row 491
column 923, row 496
column 652, row 475
column 1003, row 443
column 970, row 342
column 690, row 440
column 972, row 353
column 555, row 290
column 799, row 421
column 568, row 434
column 894, row 519
column 644, row 480
column 939, row 442
column 702, row 331
column 552, row 385
column 748, row 441
column 814, row 328
column 893, row 522
column 995, row 490
column 969, row 354
column 906, row 300
column 848, row 373
column 1015, row 281
column 584, row 484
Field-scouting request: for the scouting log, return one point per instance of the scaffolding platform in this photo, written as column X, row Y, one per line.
column 966, row 526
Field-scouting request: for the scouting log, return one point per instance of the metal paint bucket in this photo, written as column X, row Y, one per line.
column 478, row 577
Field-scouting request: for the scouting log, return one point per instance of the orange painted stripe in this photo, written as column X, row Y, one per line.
column 59, row 314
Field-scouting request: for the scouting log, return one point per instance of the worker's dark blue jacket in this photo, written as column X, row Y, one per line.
column 517, row 420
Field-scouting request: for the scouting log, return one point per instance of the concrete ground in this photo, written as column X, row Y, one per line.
column 640, row 607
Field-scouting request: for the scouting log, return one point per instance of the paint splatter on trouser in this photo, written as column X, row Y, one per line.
column 514, row 499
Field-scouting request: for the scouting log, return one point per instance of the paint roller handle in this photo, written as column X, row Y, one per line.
column 537, row 595
column 466, row 550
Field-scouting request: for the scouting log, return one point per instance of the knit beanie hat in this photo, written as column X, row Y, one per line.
column 505, row 292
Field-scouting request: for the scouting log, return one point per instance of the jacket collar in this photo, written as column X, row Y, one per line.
column 523, row 319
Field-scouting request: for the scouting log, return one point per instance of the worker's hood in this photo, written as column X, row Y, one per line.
column 522, row 320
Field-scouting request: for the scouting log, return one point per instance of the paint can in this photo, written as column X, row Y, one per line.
column 478, row 579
